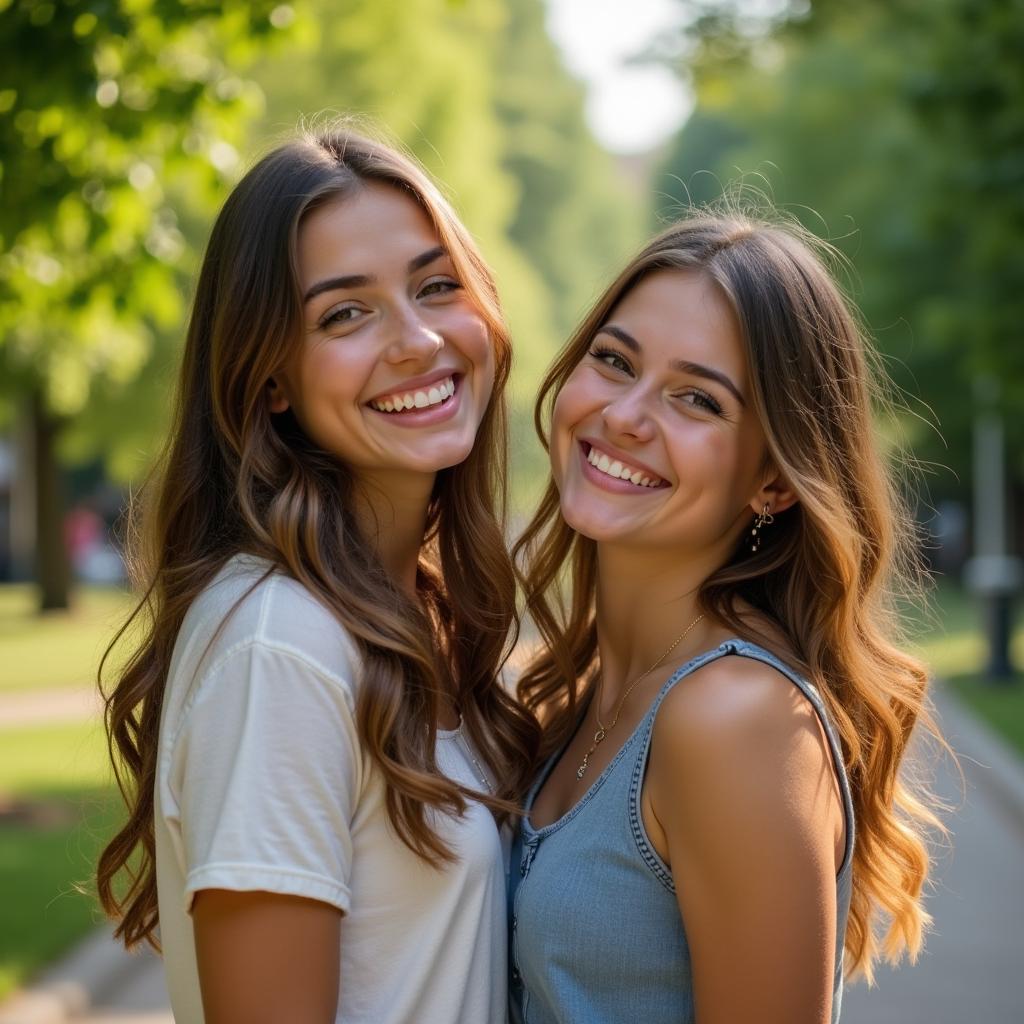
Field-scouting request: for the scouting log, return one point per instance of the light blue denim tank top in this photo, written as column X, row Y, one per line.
column 596, row 935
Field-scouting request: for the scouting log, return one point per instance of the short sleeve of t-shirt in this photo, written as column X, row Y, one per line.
column 263, row 777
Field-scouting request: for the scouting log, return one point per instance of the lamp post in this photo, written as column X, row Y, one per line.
column 993, row 574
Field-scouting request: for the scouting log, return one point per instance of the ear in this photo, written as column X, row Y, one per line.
column 775, row 492
column 277, row 400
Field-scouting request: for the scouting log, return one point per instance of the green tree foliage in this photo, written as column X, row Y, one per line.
column 576, row 215
column 118, row 121
column 897, row 131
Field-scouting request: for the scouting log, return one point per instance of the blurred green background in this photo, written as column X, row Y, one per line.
column 894, row 129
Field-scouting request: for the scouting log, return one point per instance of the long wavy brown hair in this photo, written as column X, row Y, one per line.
column 236, row 479
column 830, row 574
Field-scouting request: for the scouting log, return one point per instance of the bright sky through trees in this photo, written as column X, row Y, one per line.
column 630, row 108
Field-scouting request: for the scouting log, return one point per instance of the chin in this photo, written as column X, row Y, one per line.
column 443, row 457
column 594, row 528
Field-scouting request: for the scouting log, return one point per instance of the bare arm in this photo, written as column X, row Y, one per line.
column 265, row 957
column 741, row 785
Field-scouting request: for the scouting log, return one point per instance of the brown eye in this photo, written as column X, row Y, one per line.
column 611, row 358
column 440, row 287
column 702, row 400
column 338, row 317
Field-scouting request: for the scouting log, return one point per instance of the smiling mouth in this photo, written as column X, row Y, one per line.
column 619, row 470
column 422, row 398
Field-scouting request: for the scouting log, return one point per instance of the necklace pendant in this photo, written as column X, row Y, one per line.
column 581, row 771
column 599, row 735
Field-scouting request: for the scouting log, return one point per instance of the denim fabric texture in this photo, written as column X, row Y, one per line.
column 595, row 930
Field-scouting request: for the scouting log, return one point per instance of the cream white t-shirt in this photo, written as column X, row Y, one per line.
column 262, row 784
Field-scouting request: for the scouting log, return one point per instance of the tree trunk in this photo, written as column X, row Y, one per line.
column 53, row 567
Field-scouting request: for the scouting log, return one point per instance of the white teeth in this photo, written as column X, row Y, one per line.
column 418, row 399
column 614, row 468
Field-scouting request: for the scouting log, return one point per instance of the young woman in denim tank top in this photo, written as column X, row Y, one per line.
column 721, row 818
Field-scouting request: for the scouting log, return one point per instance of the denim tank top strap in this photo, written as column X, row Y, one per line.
column 750, row 650
column 596, row 933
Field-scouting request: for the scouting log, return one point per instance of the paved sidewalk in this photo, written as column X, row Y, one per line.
column 971, row 967
column 47, row 707
column 970, row 972
column 97, row 983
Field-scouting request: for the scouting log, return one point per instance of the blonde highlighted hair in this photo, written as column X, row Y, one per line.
column 830, row 575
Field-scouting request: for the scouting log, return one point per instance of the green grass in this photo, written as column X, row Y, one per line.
column 951, row 638
column 955, row 649
column 48, row 757
column 61, row 773
column 1001, row 705
column 56, row 648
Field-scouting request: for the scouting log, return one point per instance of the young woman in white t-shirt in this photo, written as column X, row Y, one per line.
column 316, row 752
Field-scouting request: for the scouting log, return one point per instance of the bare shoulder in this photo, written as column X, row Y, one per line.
column 731, row 703
column 738, row 735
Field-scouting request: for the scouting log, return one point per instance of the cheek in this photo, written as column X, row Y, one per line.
column 716, row 468
column 331, row 376
column 580, row 396
column 746, row 451
column 333, row 370
column 570, row 408
column 468, row 330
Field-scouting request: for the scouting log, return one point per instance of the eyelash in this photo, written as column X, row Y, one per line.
column 331, row 319
column 705, row 400
column 449, row 286
column 603, row 355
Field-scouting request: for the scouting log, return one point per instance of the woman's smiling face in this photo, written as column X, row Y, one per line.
column 396, row 366
column 654, row 441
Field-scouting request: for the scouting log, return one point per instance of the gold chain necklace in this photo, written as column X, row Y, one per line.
column 601, row 730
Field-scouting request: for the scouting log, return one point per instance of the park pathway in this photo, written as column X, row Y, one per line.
column 971, row 972
column 49, row 707
column 972, row 969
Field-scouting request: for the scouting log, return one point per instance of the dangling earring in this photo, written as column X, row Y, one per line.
column 764, row 518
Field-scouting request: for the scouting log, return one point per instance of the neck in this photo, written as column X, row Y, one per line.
column 644, row 602
column 392, row 513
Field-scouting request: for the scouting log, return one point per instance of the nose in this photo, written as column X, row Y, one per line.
column 627, row 418
column 414, row 339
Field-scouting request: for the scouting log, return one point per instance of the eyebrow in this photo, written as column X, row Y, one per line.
column 331, row 284
column 681, row 365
